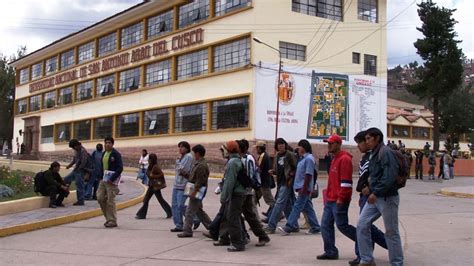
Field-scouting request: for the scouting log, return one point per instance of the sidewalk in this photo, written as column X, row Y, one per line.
column 131, row 193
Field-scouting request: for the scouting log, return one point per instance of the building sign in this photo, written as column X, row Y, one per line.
column 314, row 105
column 159, row 48
column 328, row 111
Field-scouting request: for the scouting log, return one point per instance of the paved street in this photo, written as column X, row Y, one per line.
column 435, row 230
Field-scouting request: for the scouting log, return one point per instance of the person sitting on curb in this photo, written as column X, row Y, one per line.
column 54, row 186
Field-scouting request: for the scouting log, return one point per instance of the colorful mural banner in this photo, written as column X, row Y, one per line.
column 329, row 106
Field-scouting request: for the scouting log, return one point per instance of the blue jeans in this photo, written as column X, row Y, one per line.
column 333, row 214
column 387, row 208
column 284, row 202
column 78, row 177
column 378, row 236
column 177, row 207
column 302, row 204
column 89, row 186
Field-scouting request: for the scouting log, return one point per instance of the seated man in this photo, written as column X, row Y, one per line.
column 54, row 186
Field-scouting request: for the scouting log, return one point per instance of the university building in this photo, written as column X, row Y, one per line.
column 170, row 70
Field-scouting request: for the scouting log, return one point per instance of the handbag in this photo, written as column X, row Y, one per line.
column 157, row 183
column 315, row 192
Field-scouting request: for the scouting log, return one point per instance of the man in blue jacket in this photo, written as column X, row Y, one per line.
column 383, row 201
column 108, row 188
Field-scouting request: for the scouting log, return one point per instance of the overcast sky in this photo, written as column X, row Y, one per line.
column 36, row 23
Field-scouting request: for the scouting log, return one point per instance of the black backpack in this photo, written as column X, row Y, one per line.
column 39, row 182
column 243, row 178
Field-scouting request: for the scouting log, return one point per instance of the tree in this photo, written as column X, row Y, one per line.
column 7, row 95
column 442, row 70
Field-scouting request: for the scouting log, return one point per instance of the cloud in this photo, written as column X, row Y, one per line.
column 402, row 32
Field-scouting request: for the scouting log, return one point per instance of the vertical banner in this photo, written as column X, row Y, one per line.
column 329, row 106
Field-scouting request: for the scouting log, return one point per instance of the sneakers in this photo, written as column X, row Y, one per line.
column 313, row 231
column 176, row 230
column 326, row 256
column 53, row 206
column 185, row 234
column 220, row 244
column 269, row 230
column 372, row 263
column 283, row 231
column 110, row 225
column 354, row 262
column 235, row 249
column 262, row 241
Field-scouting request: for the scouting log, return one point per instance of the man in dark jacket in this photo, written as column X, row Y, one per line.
column 112, row 168
column 54, row 186
column 93, row 182
column 419, row 164
column 266, row 180
column 383, row 201
column 80, row 169
column 363, row 188
column 199, row 177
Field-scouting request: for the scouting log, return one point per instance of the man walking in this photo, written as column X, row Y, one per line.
column 339, row 193
column 266, row 180
column 382, row 201
column 93, row 183
column 77, row 174
column 112, row 168
column 199, row 176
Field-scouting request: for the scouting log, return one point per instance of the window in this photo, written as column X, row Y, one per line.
column 128, row 125
column 158, row 73
column 63, row 132
column 232, row 113
column 49, row 100
column 65, row 96
column 108, row 44
column 24, row 75
column 21, row 106
column 331, row 9
column 129, row 80
column 226, row 6
column 103, row 127
column 84, row 90
column 193, row 64
column 355, row 58
column 82, row 130
column 35, row 103
column 190, row 118
column 400, row 131
column 67, row 59
column 156, row 122
column 193, row 12
column 36, row 70
column 47, row 134
column 160, row 24
column 51, row 65
column 232, row 55
column 370, row 65
column 421, row 132
column 367, row 10
column 86, row 52
column 293, row 51
column 132, row 35
column 106, row 85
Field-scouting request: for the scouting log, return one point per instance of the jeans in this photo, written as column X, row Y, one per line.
column 378, row 236
column 78, row 177
column 451, row 172
column 334, row 214
column 149, row 194
column 302, row 204
column 387, row 208
column 144, row 176
column 284, row 202
column 91, row 186
column 178, row 208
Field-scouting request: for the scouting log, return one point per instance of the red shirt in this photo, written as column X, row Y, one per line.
column 340, row 178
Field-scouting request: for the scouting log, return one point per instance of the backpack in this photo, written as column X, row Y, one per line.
column 38, row 182
column 243, row 177
column 402, row 166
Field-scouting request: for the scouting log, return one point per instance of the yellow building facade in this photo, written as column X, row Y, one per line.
column 163, row 71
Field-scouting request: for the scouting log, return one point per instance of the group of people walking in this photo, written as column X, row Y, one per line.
column 248, row 179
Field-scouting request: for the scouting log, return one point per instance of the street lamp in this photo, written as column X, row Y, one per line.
column 278, row 83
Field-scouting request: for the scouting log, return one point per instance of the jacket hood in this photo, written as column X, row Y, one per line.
column 343, row 153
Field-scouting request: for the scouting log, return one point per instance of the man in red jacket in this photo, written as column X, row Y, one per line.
column 339, row 193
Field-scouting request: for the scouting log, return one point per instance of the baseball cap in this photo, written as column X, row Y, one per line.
column 260, row 143
column 334, row 138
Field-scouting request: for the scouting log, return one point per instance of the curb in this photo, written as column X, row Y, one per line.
column 446, row 192
column 22, row 228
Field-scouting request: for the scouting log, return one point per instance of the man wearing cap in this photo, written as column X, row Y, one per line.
column 233, row 195
column 80, row 163
column 266, row 181
column 339, row 193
